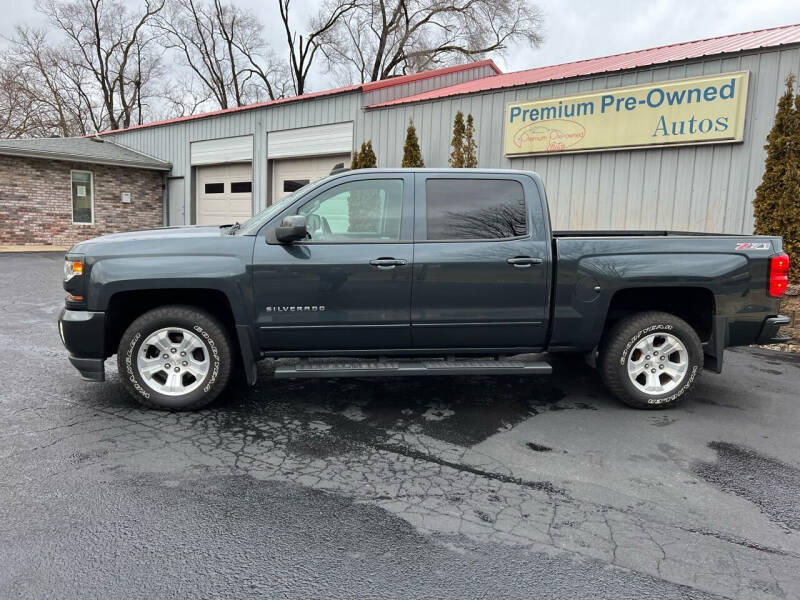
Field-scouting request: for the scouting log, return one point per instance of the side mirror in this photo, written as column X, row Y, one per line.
column 291, row 229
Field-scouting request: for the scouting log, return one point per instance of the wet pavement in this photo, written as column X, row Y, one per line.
column 495, row 487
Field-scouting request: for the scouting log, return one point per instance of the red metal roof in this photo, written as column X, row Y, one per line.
column 764, row 38
column 367, row 87
column 393, row 81
column 349, row 88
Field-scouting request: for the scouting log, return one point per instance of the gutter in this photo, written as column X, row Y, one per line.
column 67, row 157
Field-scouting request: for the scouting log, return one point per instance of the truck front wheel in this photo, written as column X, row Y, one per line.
column 175, row 358
column 651, row 359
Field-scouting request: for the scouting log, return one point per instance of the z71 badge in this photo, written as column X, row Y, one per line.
column 753, row 246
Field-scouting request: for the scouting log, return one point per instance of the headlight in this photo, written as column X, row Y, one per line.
column 72, row 268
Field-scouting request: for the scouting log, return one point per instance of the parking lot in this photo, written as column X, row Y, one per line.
column 496, row 487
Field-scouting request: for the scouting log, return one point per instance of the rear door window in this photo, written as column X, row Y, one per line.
column 475, row 209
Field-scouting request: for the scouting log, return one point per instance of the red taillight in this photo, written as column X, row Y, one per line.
column 778, row 275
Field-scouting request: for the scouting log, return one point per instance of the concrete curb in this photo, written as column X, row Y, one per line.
column 33, row 248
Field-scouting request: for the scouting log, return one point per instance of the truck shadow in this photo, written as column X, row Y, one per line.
column 463, row 411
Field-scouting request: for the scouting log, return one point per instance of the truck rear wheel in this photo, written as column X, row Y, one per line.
column 175, row 358
column 651, row 359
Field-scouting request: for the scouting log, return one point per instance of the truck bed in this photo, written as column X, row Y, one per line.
column 725, row 273
column 571, row 233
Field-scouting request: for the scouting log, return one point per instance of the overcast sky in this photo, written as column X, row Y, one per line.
column 575, row 29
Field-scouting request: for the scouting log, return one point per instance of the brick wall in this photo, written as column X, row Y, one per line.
column 36, row 201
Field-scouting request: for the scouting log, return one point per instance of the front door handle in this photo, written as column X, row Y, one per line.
column 523, row 262
column 387, row 263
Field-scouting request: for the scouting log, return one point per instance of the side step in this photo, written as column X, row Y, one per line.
column 307, row 368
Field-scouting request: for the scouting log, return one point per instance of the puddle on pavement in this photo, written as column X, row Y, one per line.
column 463, row 411
column 538, row 447
column 765, row 481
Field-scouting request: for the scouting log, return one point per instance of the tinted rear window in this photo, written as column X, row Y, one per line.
column 475, row 209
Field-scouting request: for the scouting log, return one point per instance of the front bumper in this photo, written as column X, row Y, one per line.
column 83, row 335
column 769, row 331
column 91, row 369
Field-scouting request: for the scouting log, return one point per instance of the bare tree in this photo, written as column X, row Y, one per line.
column 15, row 113
column 98, row 64
column 496, row 222
column 383, row 38
column 223, row 48
column 48, row 93
column 303, row 48
column 114, row 47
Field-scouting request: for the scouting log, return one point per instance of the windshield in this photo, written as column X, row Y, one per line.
column 254, row 223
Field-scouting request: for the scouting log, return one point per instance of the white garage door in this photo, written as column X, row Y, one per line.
column 224, row 193
column 291, row 174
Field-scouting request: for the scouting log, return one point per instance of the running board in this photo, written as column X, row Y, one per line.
column 307, row 368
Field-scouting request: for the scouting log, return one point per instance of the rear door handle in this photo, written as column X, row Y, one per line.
column 387, row 263
column 522, row 262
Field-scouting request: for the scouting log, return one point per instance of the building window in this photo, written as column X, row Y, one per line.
column 215, row 188
column 475, row 209
column 292, row 185
column 82, row 197
column 241, row 187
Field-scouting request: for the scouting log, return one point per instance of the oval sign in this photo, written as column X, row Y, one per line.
column 554, row 135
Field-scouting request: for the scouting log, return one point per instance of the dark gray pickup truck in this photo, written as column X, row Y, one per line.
column 414, row 272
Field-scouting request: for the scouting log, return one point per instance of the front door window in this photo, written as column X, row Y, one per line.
column 356, row 212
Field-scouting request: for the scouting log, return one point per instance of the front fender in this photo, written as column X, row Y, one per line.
column 226, row 274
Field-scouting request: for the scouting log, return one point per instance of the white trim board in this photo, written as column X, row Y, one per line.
column 223, row 150
column 311, row 141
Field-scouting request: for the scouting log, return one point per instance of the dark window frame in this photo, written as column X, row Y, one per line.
column 215, row 183
column 72, row 196
column 299, row 183
column 248, row 184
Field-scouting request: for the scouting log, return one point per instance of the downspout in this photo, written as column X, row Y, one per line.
column 164, row 199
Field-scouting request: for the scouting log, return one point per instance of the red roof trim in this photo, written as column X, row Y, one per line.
column 341, row 90
column 751, row 40
column 367, row 87
column 393, row 81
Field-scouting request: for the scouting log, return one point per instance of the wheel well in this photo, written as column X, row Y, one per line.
column 125, row 307
column 694, row 305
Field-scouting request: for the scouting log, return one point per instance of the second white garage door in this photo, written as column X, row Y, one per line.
column 291, row 174
column 224, row 193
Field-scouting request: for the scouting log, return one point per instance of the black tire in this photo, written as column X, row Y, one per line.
column 619, row 346
column 208, row 330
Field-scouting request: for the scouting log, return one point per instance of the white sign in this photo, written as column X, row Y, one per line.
column 81, row 191
column 126, row 197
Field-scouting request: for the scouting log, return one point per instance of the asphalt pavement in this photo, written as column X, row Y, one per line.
column 470, row 487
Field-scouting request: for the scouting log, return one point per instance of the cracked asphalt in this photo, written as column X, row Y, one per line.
column 472, row 487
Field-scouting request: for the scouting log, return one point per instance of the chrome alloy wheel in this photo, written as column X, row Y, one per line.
column 658, row 363
column 173, row 361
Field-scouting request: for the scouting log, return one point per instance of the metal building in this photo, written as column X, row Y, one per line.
column 231, row 163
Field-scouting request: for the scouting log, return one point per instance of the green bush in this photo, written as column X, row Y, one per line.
column 364, row 206
column 365, row 158
column 464, row 153
column 777, row 202
column 470, row 147
column 457, row 143
column 412, row 155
